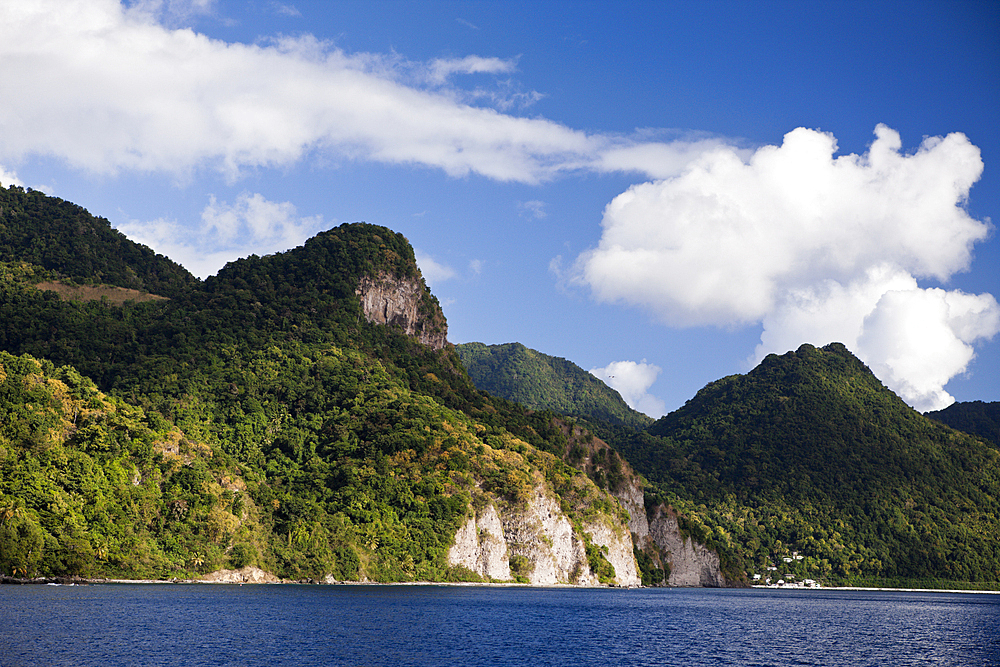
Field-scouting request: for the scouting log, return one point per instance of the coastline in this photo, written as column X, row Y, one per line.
column 83, row 581
column 873, row 588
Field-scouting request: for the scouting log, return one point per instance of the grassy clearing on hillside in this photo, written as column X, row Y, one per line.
column 115, row 296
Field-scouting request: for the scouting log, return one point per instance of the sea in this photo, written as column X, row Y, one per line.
column 422, row 625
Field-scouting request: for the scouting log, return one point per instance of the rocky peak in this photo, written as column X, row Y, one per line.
column 402, row 303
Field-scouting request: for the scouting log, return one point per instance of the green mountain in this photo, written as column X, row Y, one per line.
column 975, row 417
column 301, row 412
column 64, row 239
column 543, row 382
column 809, row 458
column 304, row 413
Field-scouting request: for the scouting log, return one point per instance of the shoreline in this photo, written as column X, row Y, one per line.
column 83, row 581
column 874, row 588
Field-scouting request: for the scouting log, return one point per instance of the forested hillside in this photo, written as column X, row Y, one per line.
column 809, row 455
column 544, row 382
column 256, row 418
column 302, row 412
column 63, row 238
column 975, row 417
column 807, row 458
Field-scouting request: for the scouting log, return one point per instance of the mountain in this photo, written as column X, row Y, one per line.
column 543, row 382
column 61, row 237
column 304, row 413
column 300, row 412
column 975, row 417
column 810, row 465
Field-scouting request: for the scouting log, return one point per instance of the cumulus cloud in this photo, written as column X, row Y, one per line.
column 916, row 340
column 252, row 224
column 632, row 380
column 817, row 248
column 113, row 88
column 9, row 178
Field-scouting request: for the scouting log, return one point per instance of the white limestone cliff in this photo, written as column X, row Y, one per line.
column 691, row 563
column 632, row 498
column 618, row 550
column 480, row 546
column 539, row 537
column 245, row 575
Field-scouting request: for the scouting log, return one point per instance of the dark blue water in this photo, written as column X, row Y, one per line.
column 114, row 625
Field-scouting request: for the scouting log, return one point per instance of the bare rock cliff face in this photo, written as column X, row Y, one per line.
column 393, row 301
column 246, row 575
column 480, row 546
column 618, row 550
column 632, row 498
column 541, row 537
column 691, row 563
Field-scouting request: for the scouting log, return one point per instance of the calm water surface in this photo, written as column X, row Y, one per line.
column 113, row 625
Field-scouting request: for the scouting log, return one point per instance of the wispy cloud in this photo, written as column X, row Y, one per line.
column 115, row 89
column 171, row 12
column 533, row 208
column 441, row 69
column 284, row 9
column 817, row 248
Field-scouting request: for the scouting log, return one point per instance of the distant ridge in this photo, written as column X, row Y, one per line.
column 975, row 417
column 543, row 382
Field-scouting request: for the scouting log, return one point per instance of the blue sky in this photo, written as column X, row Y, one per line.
column 663, row 192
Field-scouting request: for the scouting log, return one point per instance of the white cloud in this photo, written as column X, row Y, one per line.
column 534, row 208
column 434, row 273
column 171, row 12
column 229, row 231
column 817, row 248
column 9, row 178
column 916, row 340
column 283, row 9
column 660, row 159
column 441, row 69
column 114, row 89
column 632, row 380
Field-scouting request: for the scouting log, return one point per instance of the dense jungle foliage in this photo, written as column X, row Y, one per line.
column 543, row 382
column 809, row 465
column 255, row 418
column 62, row 237
column 258, row 418
column 975, row 417
column 809, row 455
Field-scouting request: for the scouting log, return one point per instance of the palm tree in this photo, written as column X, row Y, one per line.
column 10, row 508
